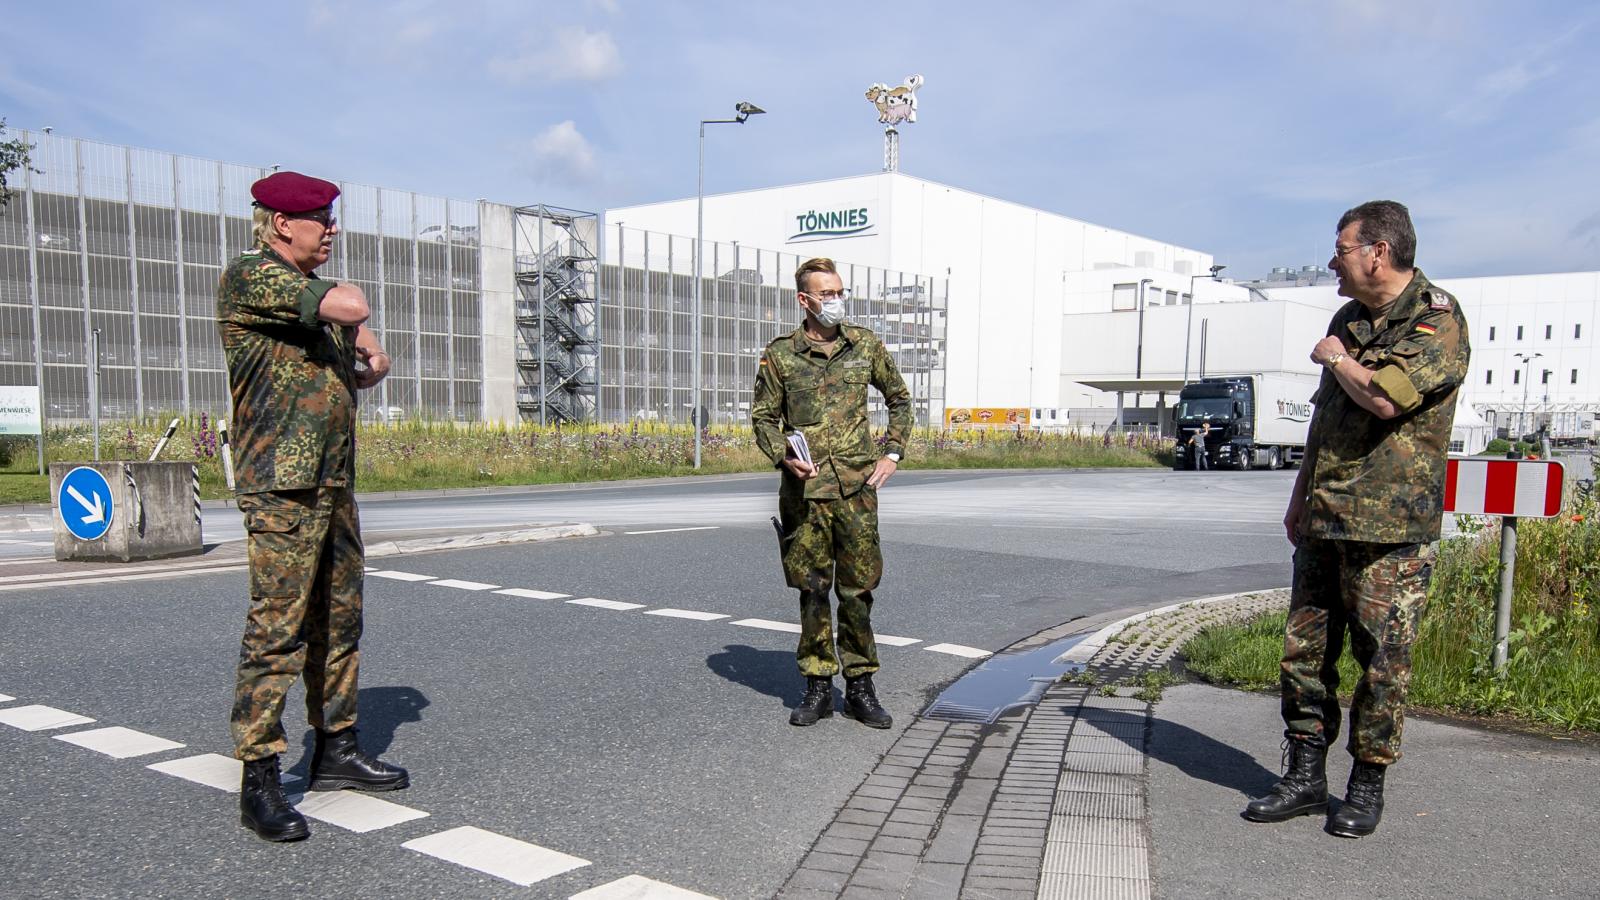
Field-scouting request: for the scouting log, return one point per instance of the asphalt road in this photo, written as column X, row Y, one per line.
column 646, row 744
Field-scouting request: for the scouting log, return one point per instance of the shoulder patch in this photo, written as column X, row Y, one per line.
column 1438, row 300
column 1426, row 328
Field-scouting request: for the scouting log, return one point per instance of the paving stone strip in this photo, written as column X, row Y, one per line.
column 1046, row 803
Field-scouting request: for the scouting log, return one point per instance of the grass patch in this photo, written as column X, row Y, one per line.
column 1552, row 676
column 433, row 455
column 1152, row 683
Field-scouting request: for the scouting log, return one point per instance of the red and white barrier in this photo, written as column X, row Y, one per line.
column 1525, row 488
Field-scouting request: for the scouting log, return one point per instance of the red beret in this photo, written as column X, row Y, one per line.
column 291, row 192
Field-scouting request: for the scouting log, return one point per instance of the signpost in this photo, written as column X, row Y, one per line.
column 21, row 413
column 1512, row 488
column 85, row 504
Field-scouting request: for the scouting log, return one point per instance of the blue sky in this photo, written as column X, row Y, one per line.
column 1240, row 128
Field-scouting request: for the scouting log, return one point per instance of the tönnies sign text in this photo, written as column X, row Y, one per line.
column 815, row 224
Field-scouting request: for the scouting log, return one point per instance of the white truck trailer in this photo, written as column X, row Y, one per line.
column 1256, row 420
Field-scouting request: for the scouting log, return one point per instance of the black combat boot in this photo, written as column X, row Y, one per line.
column 1302, row 789
column 817, row 703
column 1363, row 802
column 862, row 702
column 338, row 763
column 262, row 806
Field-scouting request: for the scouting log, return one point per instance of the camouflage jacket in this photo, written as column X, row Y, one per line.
column 291, row 375
column 1382, row 480
column 801, row 387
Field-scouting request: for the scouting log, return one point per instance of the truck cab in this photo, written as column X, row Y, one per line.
column 1243, row 434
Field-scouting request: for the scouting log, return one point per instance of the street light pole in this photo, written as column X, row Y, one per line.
column 1524, row 419
column 1138, row 352
column 744, row 109
column 1188, row 326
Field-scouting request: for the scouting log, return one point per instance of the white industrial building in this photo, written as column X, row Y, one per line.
column 1013, row 272
column 497, row 312
column 1088, row 326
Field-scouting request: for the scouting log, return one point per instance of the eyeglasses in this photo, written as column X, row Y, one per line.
column 321, row 217
column 1339, row 251
column 829, row 295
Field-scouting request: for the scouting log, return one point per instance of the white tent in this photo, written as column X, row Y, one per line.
column 1469, row 433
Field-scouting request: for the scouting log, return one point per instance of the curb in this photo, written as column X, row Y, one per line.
column 1086, row 649
column 230, row 556
column 481, row 539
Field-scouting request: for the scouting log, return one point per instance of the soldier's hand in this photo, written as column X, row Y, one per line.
column 377, row 367
column 1326, row 349
column 800, row 470
column 1291, row 520
column 882, row 471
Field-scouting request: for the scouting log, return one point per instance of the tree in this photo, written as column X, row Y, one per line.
column 13, row 156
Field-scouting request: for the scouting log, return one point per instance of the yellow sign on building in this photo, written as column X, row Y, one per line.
column 986, row 417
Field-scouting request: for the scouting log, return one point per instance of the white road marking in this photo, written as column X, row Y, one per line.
column 209, row 769
column 27, row 543
column 669, row 530
column 401, row 576
column 638, row 887
column 463, row 585
column 353, row 811
column 769, row 625
column 518, row 862
column 118, row 569
column 109, row 579
column 959, row 650
column 40, row 718
column 531, row 595
column 27, row 560
column 6, row 698
column 698, row 616
column 605, row 604
column 894, row 641
column 118, row 742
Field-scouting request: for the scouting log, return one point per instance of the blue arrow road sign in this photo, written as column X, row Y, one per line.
column 85, row 503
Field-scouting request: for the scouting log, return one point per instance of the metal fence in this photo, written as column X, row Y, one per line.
column 747, row 300
column 132, row 242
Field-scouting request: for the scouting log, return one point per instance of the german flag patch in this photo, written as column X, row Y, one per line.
column 1426, row 328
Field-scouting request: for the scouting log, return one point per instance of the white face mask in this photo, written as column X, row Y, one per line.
column 831, row 314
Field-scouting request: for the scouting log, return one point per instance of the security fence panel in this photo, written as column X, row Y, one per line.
column 134, row 242
column 747, row 298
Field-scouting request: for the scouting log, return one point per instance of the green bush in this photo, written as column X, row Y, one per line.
column 418, row 454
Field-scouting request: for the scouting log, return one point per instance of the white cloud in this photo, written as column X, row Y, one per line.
column 1495, row 88
column 573, row 53
column 562, row 153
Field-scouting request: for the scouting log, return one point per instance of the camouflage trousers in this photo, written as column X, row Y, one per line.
column 306, row 571
column 1376, row 592
column 833, row 544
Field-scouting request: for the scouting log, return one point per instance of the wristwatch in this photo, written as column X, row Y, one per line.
column 892, row 457
column 1334, row 360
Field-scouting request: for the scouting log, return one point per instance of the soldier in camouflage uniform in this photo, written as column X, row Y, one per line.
column 814, row 381
column 1365, row 512
column 297, row 352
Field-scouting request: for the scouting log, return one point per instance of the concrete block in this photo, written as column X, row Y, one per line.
column 153, row 512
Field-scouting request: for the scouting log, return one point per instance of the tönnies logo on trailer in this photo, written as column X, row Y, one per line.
column 1294, row 411
column 820, row 224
